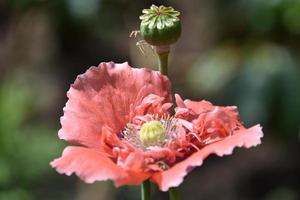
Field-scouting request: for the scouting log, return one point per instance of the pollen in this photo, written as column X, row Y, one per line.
column 152, row 133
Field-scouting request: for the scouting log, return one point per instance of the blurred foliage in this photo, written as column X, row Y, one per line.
column 256, row 64
column 262, row 79
column 281, row 193
column 26, row 147
column 265, row 15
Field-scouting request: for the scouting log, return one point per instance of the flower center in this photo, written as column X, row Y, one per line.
column 152, row 133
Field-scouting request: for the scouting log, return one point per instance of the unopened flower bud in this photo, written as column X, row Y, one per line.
column 160, row 26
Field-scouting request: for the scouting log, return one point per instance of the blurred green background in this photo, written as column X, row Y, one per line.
column 232, row 52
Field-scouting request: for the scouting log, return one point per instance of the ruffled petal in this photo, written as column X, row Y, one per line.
column 197, row 107
column 107, row 96
column 153, row 104
column 92, row 165
column 174, row 176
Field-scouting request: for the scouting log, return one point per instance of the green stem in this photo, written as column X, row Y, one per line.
column 146, row 190
column 163, row 62
column 173, row 194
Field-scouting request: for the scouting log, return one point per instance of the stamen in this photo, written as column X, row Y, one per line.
column 163, row 165
column 158, row 132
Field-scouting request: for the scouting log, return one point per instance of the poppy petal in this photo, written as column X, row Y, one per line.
column 106, row 96
column 92, row 165
column 174, row 176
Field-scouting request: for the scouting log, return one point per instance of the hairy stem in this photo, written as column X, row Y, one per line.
column 146, row 190
column 163, row 62
column 163, row 55
column 173, row 194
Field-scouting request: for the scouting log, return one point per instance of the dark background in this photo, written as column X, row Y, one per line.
column 231, row 52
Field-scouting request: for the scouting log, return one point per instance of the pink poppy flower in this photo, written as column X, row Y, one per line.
column 119, row 120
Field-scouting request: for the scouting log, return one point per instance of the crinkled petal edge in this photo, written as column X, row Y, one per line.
column 174, row 176
column 91, row 165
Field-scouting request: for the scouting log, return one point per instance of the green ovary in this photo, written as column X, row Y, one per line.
column 152, row 133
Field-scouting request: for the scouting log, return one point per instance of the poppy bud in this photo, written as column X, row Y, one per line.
column 160, row 26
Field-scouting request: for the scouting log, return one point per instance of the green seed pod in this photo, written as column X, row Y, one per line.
column 152, row 133
column 160, row 26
